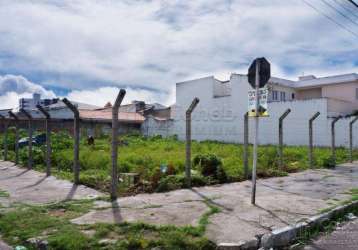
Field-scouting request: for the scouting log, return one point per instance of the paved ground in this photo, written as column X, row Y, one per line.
column 344, row 237
column 33, row 187
column 280, row 201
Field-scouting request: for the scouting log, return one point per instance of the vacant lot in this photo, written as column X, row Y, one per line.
column 160, row 162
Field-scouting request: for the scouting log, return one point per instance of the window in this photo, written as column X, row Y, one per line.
column 293, row 96
column 274, row 95
column 283, row 96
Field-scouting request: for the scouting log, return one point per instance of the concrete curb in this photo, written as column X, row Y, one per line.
column 285, row 236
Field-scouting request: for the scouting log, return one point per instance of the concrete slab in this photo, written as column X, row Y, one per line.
column 171, row 213
column 28, row 186
column 281, row 201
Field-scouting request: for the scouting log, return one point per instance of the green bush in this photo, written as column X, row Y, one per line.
column 210, row 166
column 170, row 182
column 329, row 162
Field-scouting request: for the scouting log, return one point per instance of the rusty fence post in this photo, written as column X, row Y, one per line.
column 188, row 141
column 310, row 138
column 333, row 139
column 246, row 146
column 16, row 120
column 29, row 117
column 280, row 136
column 114, row 172
column 351, row 138
column 5, row 136
column 76, row 131
column 48, row 138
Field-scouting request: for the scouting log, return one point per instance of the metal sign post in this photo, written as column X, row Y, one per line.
column 254, row 165
column 258, row 75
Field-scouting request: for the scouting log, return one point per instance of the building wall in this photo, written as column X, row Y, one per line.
column 290, row 92
column 340, row 92
column 222, row 118
column 153, row 126
column 338, row 107
column 309, row 93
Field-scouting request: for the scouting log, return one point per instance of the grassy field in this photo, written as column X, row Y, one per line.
column 51, row 223
column 160, row 162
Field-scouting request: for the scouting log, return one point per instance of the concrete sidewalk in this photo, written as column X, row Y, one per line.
column 280, row 201
column 32, row 187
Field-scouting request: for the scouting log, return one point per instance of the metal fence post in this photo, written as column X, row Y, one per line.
column 114, row 172
column 351, row 138
column 29, row 117
column 16, row 120
column 310, row 138
column 333, row 134
column 188, row 141
column 280, row 136
column 76, row 130
column 5, row 136
column 48, row 138
column 246, row 146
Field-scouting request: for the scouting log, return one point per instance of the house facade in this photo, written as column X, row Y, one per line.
column 223, row 104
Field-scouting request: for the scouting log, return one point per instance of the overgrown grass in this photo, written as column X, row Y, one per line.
column 354, row 193
column 4, row 193
column 146, row 156
column 51, row 223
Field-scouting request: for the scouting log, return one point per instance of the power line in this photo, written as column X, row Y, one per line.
column 352, row 2
column 339, row 12
column 330, row 18
column 346, row 8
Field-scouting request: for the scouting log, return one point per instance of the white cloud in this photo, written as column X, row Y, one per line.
column 12, row 88
column 103, row 95
column 20, row 85
column 154, row 44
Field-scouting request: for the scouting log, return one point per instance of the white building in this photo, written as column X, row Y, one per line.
column 219, row 115
column 30, row 103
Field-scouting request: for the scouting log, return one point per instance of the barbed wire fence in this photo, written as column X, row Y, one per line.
column 46, row 121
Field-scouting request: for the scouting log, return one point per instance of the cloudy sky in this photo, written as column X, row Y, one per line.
column 86, row 50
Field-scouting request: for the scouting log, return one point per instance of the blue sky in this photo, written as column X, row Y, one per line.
column 87, row 49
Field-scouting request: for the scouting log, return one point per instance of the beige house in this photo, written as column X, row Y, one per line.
column 341, row 91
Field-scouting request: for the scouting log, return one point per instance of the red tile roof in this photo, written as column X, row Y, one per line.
column 106, row 115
